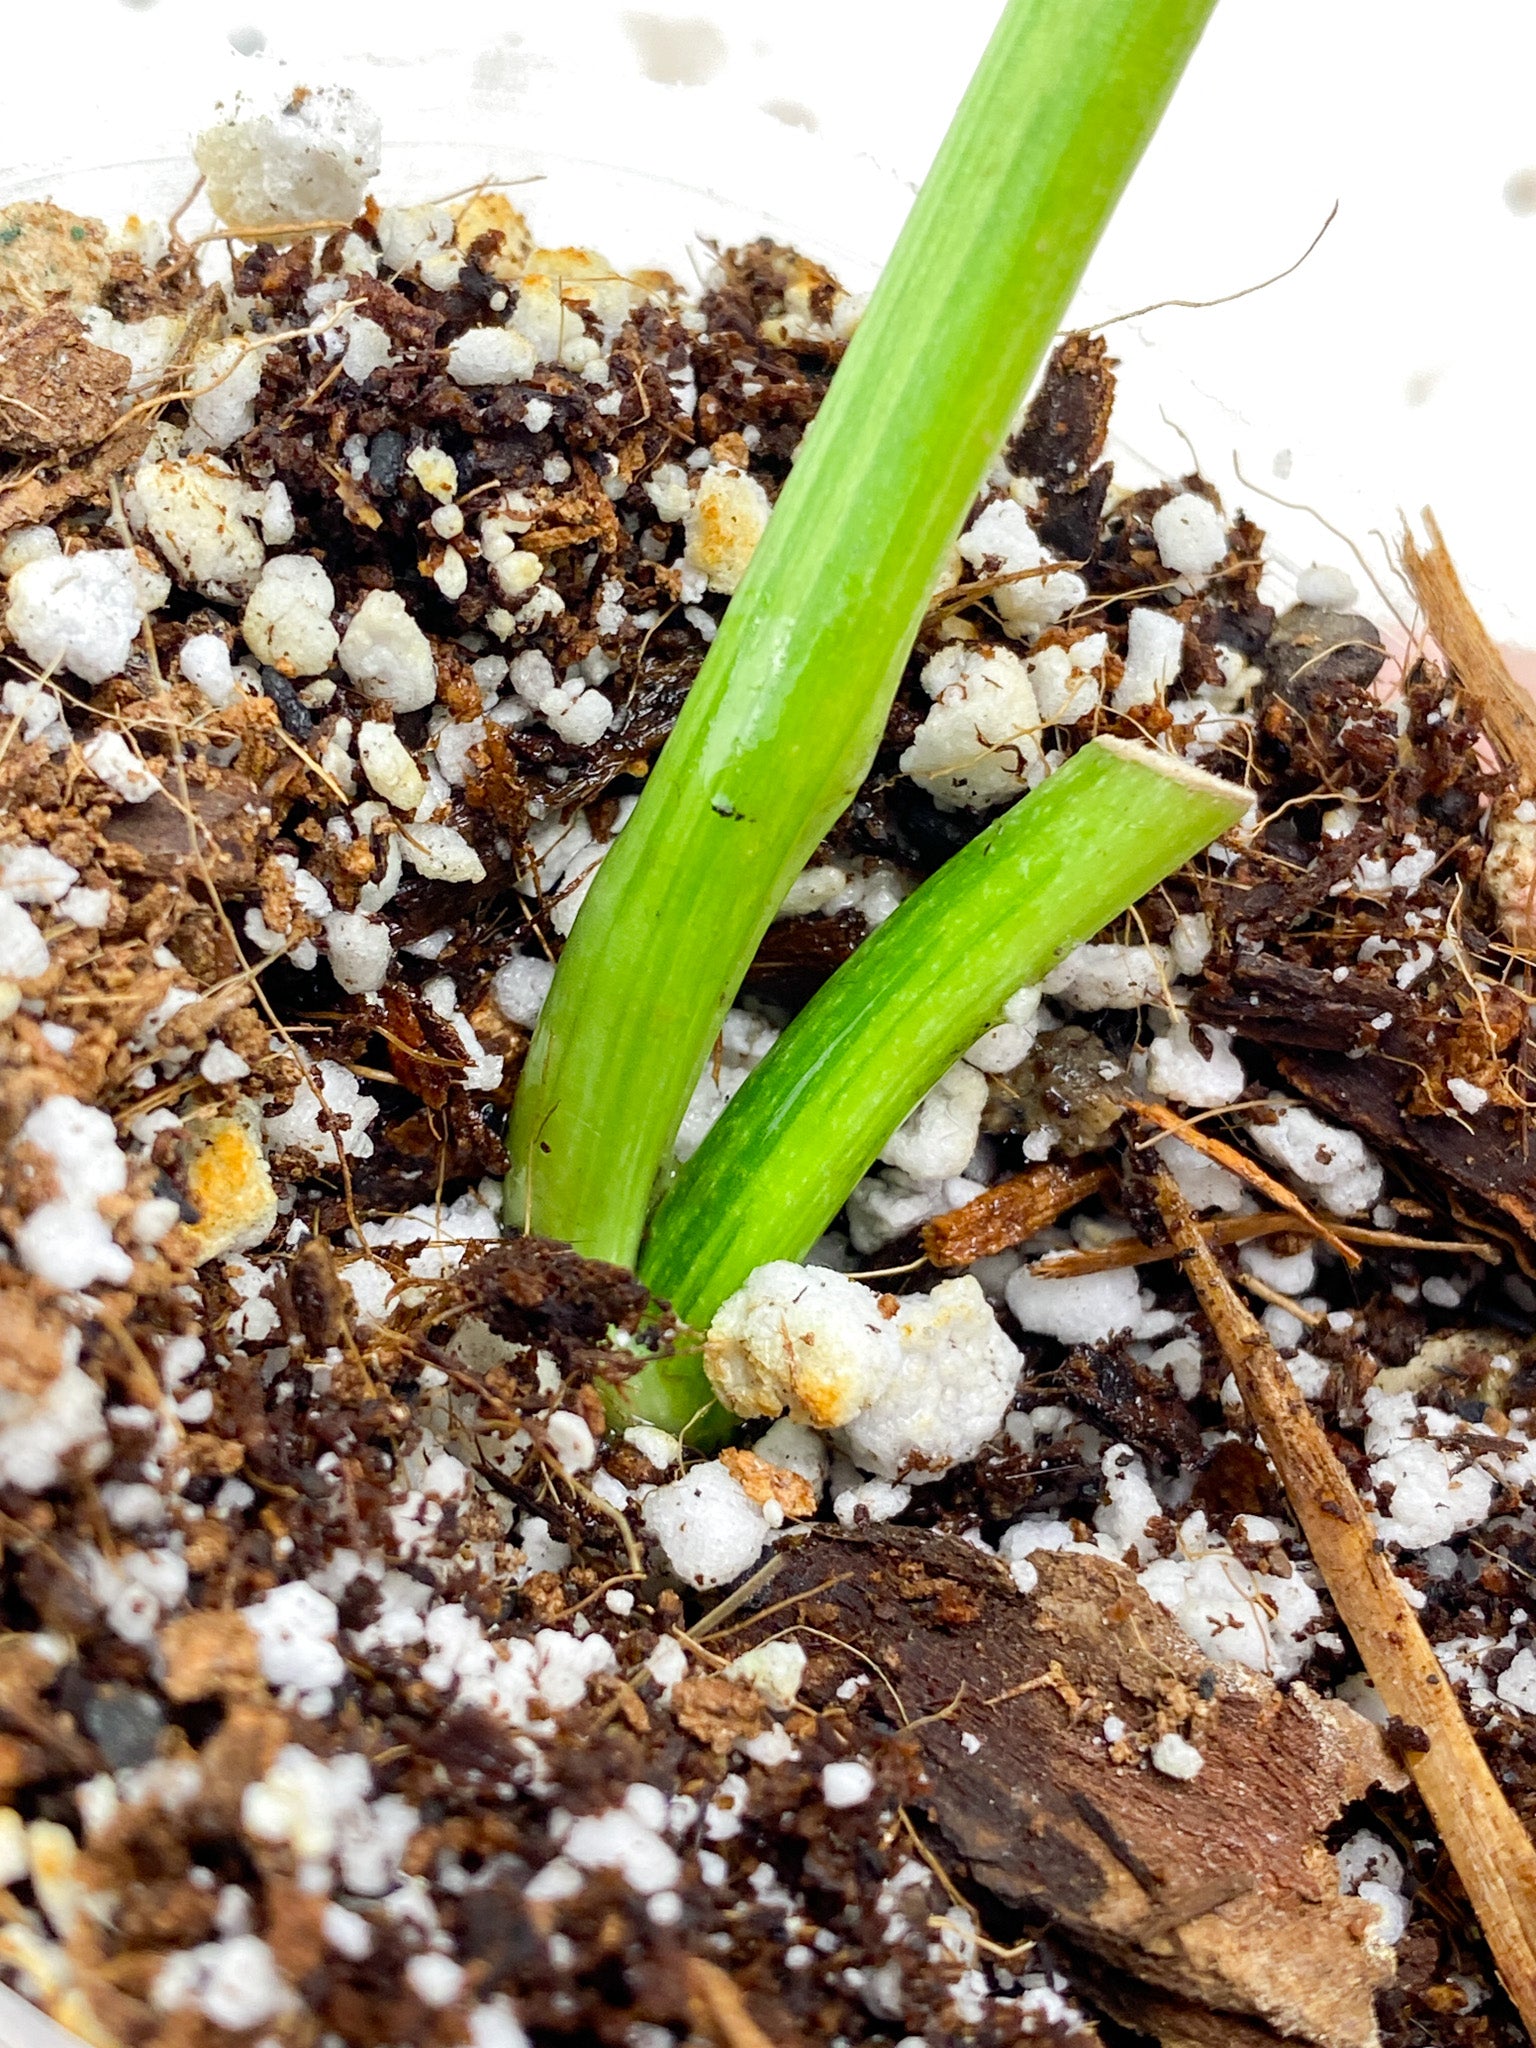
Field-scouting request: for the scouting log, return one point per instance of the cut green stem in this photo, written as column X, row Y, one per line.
column 809, row 1122
column 781, row 724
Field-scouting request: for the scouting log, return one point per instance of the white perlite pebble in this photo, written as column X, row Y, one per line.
column 950, row 1374
column 277, row 521
column 317, row 1123
column 82, row 1144
column 1435, row 1493
column 310, row 157
column 915, row 1390
column 38, row 1431
column 659, row 1449
column 234, row 1983
column 848, row 1783
column 773, row 1670
column 1189, row 943
column 436, row 1980
column 580, row 720
column 204, row 661
column 1179, row 1067
column 1153, row 655
column 496, row 2025
column 38, row 708
column 1111, row 977
column 455, row 744
column 571, row 1441
column 26, row 544
column 1176, row 1758
column 23, row 949
column 1002, row 542
column 287, row 622
column 1016, row 1546
column 225, row 377
column 1237, row 1615
column 434, row 469
column 81, row 612
column 441, row 853
column 519, row 987
column 744, row 1042
column 937, row 1139
column 346, row 1932
column 1190, row 533
column 667, row 489
column 66, row 1241
column 566, row 857
column 1000, row 1050
column 708, row 1528
column 667, row 1663
column 359, row 949
column 88, row 908
column 723, row 526
column 622, row 1840
column 30, row 874
column 323, row 1810
column 112, row 761
column 1066, row 683
column 490, row 355
column 1333, row 1164
column 798, row 1448
column 797, row 1337
column 220, row 1064
column 387, row 655
column 1329, row 589
column 1372, row 1870
column 295, row 1628
column 1293, row 1273
column 198, row 514
column 1202, row 1183
column 367, row 348
column 410, row 234
column 388, row 765
column 1086, row 1310
column 980, row 744
column 876, row 1500
column 1517, row 1686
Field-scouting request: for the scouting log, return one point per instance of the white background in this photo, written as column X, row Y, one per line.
column 1394, row 367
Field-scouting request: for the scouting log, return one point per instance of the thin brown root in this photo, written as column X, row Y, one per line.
column 717, row 2009
column 1246, row 1170
column 1130, row 1251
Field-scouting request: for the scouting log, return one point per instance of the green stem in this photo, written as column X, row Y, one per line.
column 809, row 1122
column 782, row 723
column 672, row 1394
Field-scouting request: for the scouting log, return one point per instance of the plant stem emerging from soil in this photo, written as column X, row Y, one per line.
column 1493, row 1855
column 809, row 1121
column 782, row 723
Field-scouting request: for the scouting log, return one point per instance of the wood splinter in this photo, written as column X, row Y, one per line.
column 1010, row 1212
column 1493, row 1855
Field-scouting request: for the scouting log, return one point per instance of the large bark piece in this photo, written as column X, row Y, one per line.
column 1212, row 1899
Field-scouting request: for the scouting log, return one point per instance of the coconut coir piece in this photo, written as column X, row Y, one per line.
column 1498, row 703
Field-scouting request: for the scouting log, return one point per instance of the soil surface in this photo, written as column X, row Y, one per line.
column 346, row 1694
